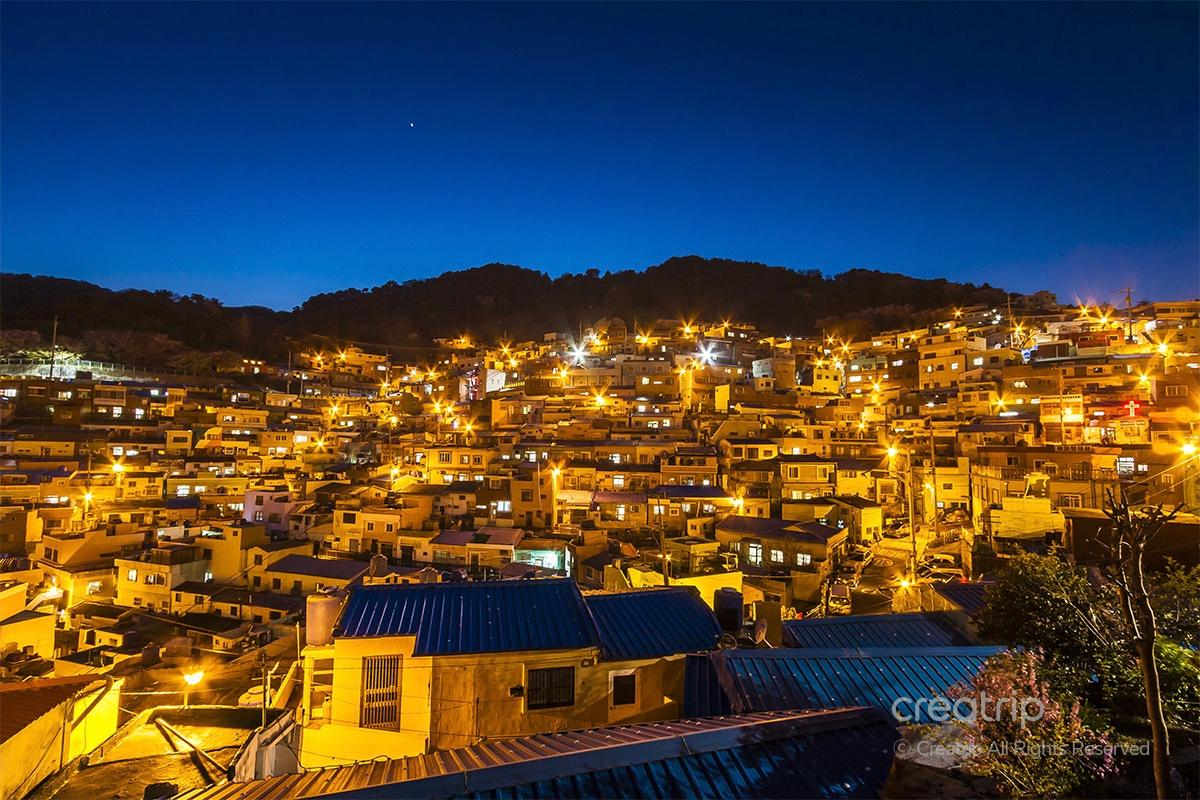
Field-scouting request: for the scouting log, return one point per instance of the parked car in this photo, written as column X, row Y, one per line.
column 938, row 574
column 839, row 599
column 847, row 575
column 940, row 559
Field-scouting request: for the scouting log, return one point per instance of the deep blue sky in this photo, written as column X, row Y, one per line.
column 262, row 153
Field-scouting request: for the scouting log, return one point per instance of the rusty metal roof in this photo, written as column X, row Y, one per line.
column 25, row 702
column 839, row 753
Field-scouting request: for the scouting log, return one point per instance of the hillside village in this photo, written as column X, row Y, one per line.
column 472, row 568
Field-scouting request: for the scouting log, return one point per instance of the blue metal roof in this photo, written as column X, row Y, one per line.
column 651, row 623
column 844, row 753
column 486, row 617
column 772, row 680
column 882, row 630
column 970, row 597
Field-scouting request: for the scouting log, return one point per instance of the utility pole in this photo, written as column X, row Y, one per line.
column 933, row 478
column 53, row 347
column 662, row 547
column 1128, row 314
column 1012, row 323
column 262, row 660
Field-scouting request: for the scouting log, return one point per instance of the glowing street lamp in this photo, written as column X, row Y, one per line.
column 707, row 355
column 190, row 679
column 578, row 354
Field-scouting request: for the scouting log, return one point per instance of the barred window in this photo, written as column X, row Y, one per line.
column 381, row 692
column 551, row 688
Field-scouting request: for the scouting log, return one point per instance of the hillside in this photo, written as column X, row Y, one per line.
column 489, row 301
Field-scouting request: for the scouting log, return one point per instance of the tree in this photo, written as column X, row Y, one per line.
column 1021, row 734
column 1129, row 533
column 1046, row 604
column 1175, row 595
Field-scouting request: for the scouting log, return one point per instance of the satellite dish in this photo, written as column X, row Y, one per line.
column 760, row 632
column 727, row 641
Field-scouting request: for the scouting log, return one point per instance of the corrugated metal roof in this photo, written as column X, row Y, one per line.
column 882, row 630
column 970, row 597
column 836, row 753
column 651, row 623
column 339, row 569
column 487, row 617
column 702, row 693
column 24, row 702
column 769, row 680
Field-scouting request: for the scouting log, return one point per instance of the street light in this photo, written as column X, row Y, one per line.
column 190, row 679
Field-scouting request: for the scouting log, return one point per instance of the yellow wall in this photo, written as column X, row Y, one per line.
column 454, row 701
column 46, row 744
column 706, row 584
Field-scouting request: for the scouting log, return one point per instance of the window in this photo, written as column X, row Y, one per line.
column 624, row 688
column 444, row 457
column 526, row 495
column 1070, row 500
column 777, row 556
column 754, row 554
column 380, row 692
column 803, row 559
column 550, row 688
column 504, row 506
column 131, row 576
column 93, row 587
column 1175, row 391
column 349, row 518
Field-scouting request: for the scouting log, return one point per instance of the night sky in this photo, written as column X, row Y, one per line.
column 263, row 153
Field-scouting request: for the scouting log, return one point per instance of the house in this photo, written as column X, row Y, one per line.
column 410, row 669
column 145, row 580
column 486, row 547
column 234, row 601
column 303, row 575
column 22, row 630
column 783, row 545
column 688, row 510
